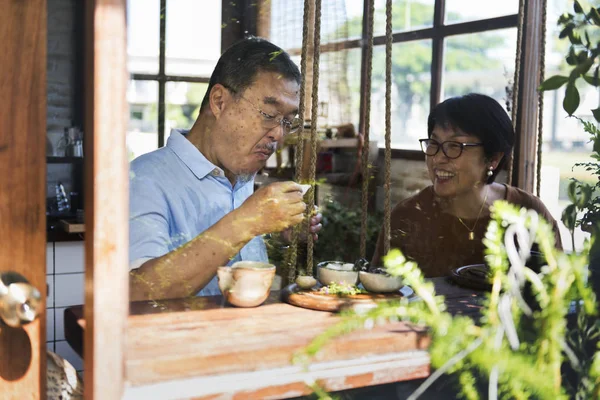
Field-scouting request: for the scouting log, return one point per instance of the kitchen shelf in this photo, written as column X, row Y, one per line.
column 64, row 160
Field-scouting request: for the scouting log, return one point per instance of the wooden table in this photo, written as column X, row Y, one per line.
column 246, row 353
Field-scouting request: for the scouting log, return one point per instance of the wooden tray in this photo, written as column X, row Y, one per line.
column 471, row 276
column 315, row 300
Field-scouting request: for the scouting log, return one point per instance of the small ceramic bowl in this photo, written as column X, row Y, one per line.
column 329, row 272
column 377, row 282
column 305, row 282
column 246, row 283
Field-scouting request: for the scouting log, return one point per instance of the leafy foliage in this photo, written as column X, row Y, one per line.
column 520, row 348
column 339, row 240
column 584, row 210
column 582, row 29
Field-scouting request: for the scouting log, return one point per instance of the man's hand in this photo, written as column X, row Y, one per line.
column 314, row 228
column 271, row 208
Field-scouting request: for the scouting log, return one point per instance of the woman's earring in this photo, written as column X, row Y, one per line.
column 490, row 171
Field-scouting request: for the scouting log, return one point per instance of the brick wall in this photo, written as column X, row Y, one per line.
column 60, row 68
column 65, row 260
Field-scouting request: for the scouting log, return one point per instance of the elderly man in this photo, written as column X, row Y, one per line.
column 192, row 206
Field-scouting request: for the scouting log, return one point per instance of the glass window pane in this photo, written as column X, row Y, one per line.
column 193, row 42
column 565, row 143
column 407, row 15
column 339, row 88
column 340, row 20
column 142, row 133
column 183, row 100
column 411, row 84
column 471, row 10
column 481, row 63
column 143, row 36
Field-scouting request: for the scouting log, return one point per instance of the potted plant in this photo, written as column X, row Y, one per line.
column 517, row 351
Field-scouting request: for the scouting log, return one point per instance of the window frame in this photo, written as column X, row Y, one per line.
column 437, row 33
column 230, row 33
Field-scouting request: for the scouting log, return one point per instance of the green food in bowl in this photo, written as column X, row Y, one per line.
column 341, row 289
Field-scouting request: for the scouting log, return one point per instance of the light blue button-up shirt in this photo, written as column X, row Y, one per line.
column 176, row 194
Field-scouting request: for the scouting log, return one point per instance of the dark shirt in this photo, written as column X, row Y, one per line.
column 437, row 241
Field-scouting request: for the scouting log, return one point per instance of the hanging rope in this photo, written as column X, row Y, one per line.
column 388, row 128
column 299, row 155
column 540, row 137
column 517, row 76
column 365, row 154
column 313, row 133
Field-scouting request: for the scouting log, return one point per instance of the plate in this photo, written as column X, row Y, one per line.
column 315, row 300
column 475, row 276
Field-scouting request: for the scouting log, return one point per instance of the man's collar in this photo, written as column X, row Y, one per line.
column 194, row 159
column 190, row 155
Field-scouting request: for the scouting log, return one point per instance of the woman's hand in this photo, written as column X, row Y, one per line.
column 314, row 228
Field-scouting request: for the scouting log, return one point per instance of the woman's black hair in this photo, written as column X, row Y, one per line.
column 478, row 115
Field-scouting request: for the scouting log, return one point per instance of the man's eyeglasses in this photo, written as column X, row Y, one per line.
column 271, row 121
column 451, row 149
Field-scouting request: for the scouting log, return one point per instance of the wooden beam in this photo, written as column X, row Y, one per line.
column 23, row 41
column 437, row 56
column 106, row 208
column 527, row 114
column 238, row 19
column 263, row 20
column 292, row 381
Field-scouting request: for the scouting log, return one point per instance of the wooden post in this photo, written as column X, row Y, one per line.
column 106, row 196
column 527, row 116
column 23, row 38
column 263, row 23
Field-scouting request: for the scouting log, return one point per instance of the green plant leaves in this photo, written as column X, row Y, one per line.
column 572, row 99
column 594, row 15
column 577, row 7
column 592, row 80
column 596, row 113
column 569, row 216
column 553, row 83
column 571, row 191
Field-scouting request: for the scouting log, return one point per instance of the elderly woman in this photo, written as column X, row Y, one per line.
column 442, row 227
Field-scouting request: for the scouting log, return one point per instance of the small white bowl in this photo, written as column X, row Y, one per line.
column 329, row 272
column 380, row 283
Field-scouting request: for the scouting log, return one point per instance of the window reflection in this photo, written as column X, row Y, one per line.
column 480, row 62
column 411, row 85
column 193, row 37
column 183, row 104
column 471, row 10
column 407, row 15
column 143, row 36
column 142, row 132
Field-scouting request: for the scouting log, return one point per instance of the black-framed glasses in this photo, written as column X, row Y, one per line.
column 450, row 148
column 271, row 121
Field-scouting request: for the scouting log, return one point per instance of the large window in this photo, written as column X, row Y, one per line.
column 172, row 48
column 564, row 141
column 441, row 48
